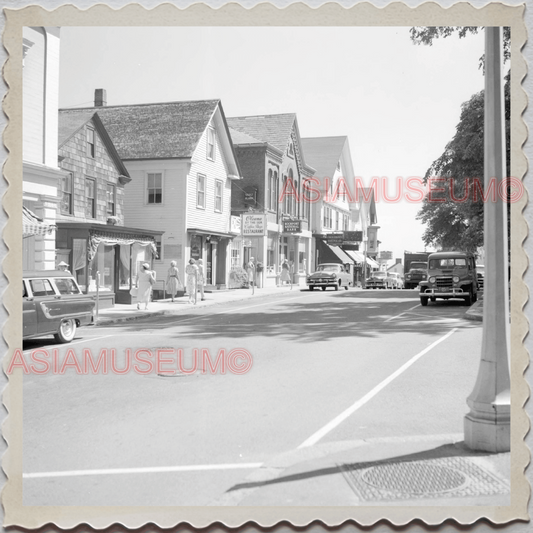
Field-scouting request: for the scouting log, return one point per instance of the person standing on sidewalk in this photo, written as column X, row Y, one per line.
column 250, row 271
column 192, row 280
column 145, row 280
column 173, row 280
column 285, row 273
column 201, row 278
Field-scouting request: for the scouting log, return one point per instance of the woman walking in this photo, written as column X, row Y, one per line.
column 285, row 273
column 201, row 279
column 173, row 280
column 192, row 280
column 145, row 280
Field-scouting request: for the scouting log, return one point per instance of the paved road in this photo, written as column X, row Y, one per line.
column 327, row 366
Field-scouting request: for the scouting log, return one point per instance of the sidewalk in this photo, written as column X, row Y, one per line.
column 125, row 313
column 436, row 470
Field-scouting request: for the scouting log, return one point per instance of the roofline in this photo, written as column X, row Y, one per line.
column 327, row 137
column 269, row 115
column 228, row 133
column 138, row 105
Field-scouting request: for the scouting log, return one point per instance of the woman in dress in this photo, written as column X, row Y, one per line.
column 201, row 279
column 285, row 273
column 173, row 280
column 145, row 280
column 192, row 280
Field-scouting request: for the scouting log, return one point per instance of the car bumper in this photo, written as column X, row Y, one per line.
column 436, row 292
column 322, row 283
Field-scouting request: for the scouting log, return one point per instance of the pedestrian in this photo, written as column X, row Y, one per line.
column 64, row 267
column 192, row 280
column 285, row 273
column 250, row 270
column 201, row 279
column 173, row 280
column 145, row 280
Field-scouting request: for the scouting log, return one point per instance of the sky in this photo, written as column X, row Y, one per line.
column 398, row 103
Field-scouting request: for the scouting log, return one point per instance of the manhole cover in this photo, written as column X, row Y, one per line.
column 415, row 478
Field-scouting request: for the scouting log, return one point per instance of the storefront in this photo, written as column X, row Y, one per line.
column 104, row 258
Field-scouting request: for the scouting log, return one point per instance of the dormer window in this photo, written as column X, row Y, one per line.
column 211, row 144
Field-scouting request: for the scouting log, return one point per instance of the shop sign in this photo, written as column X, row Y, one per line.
column 235, row 225
column 250, row 195
column 353, row 236
column 196, row 246
column 385, row 255
column 352, row 246
column 335, row 239
column 253, row 224
column 292, row 226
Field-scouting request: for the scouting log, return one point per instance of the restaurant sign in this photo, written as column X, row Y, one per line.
column 253, row 224
column 335, row 239
column 292, row 226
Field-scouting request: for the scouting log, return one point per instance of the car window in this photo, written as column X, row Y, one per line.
column 379, row 274
column 24, row 290
column 41, row 287
column 418, row 265
column 328, row 268
column 66, row 286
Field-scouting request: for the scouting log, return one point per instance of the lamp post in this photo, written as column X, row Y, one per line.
column 487, row 425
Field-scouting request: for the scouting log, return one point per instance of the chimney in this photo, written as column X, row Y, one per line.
column 398, row 261
column 100, row 98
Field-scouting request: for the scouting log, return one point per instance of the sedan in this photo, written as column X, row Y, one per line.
column 329, row 275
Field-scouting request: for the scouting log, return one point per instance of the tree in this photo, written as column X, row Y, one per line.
column 458, row 172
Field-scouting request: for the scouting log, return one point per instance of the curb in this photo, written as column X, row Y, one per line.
column 475, row 313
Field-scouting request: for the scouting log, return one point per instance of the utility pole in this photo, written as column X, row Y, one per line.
column 487, row 426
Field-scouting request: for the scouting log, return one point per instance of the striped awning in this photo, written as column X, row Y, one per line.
column 33, row 225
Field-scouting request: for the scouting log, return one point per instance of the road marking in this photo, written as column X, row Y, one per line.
column 313, row 439
column 146, row 470
column 67, row 345
column 396, row 316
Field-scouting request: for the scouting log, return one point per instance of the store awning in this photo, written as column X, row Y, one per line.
column 33, row 225
column 332, row 254
column 97, row 237
column 359, row 257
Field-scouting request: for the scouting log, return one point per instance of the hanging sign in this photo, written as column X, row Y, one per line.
column 253, row 224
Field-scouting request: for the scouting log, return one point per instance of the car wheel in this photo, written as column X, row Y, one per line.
column 337, row 286
column 323, row 288
column 468, row 299
column 346, row 287
column 66, row 331
column 424, row 300
column 311, row 288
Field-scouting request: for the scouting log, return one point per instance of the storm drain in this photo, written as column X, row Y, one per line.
column 450, row 477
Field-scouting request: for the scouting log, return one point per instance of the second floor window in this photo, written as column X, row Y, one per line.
column 218, row 196
column 90, row 142
column 328, row 223
column 211, row 144
column 66, row 194
column 111, row 193
column 200, row 191
column 155, row 188
column 90, row 198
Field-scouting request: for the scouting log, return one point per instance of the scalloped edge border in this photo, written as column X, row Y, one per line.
column 330, row 14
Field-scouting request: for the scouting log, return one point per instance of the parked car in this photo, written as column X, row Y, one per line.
column 450, row 275
column 379, row 280
column 329, row 275
column 397, row 280
column 53, row 304
column 480, row 269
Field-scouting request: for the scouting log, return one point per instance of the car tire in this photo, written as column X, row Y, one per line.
column 311, row 288
column 66, row 331
column 346, row 287
column 323, row 288
column 468, row 299
column 337, row 285
column 423, row 301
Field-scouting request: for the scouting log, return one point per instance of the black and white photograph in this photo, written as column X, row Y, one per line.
column 270, row 269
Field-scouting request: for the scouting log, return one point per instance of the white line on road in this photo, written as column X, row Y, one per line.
column 86, row 339
column 403, row 313
column 146, row 470
column 313, row 439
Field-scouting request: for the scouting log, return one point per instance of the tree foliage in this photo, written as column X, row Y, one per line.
column 458, row 173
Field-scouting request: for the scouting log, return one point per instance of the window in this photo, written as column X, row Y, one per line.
column 346, row 222
column 66, row 286
column 200, row 191
column 90, row 198
column 66, row 194
column 158, row 247
column 90, row 142
column 337, row 217
column 155, row 188
column 273, row 192
column 268, row 195
column 290, row 150
column 328, row 220
column 218, row 196
column 211, row 144
column 111, row 195
column 41, row 287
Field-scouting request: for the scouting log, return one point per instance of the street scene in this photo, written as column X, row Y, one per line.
column 241, row 292
column 199, row 438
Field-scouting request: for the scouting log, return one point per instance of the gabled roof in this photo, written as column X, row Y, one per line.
column 273, row 129
column 323, row 153
column 71, row 121
column 239, row 137
column 169, row 130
